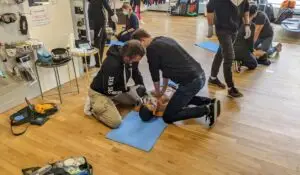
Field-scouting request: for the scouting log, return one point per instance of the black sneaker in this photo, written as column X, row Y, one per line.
column 213, row 108
column 214, row 100
column 216, row 82
column 234, row 93
column 265, row 62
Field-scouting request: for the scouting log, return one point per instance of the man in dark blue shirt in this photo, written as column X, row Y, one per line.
column 228, row 16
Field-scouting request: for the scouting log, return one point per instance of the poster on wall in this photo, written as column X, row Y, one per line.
column 37, row 2
column 39, row 15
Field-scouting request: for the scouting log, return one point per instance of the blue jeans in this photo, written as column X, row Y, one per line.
column 178, row 109
column 265, row 44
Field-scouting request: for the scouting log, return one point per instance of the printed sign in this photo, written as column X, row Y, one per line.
column 39, row 15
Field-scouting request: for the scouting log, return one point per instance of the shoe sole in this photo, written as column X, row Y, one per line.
column 215, row 85
column 218, row 108
column 228, row 95
column 215, row 113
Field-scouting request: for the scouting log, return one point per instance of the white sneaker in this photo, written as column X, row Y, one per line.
column 87, row 107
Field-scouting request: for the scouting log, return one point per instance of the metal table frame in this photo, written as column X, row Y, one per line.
column 57, row 77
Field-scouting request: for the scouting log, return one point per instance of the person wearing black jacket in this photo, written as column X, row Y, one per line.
column 112, row 83
column 227, row 15
column 166, row 55
column 97, row 23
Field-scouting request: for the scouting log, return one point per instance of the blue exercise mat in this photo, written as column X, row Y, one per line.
column 115, row 42
column 208, row 45
column 136, row 133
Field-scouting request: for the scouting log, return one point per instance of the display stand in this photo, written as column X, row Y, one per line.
column 13, row 89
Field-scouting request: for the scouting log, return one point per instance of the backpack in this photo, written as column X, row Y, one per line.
column 283, row 15
column 70, row 166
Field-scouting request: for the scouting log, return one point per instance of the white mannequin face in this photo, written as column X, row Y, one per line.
column 237, row 2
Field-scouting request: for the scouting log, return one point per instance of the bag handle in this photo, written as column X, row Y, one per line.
column 20, row 133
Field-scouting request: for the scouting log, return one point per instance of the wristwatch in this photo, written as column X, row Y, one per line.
column 247, row 24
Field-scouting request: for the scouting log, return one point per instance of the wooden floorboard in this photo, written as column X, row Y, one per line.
column 257, row 134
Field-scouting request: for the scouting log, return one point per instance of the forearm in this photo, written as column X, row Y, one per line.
column 157, row 87
column 210, row 18
column 165, row 85
column 256, row 35
column 246, row 18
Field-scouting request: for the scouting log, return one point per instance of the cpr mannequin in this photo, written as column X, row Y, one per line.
column 152, row 107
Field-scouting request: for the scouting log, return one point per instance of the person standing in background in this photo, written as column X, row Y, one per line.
column 136, row 6
column 97, row 23
column 229, row 17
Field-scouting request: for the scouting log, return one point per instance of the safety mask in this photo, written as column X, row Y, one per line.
column 125, row 12
column 237, row 2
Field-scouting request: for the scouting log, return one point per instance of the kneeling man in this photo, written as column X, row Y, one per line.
column 112, row 83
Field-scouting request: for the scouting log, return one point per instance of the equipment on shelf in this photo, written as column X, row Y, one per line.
column 44, row 56
column 185, row 8
column 23, row 25
column 8, row 18
column 24, row 68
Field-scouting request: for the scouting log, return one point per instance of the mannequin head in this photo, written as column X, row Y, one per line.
column 132, row 51
column 127, row 9
column 143, row 36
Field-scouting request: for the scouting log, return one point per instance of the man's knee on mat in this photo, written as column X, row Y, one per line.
column 167, row 117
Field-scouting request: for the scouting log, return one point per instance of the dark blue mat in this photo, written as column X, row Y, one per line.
column 136, row 133
column 208, row 45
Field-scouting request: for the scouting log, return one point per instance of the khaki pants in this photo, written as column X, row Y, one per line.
column 104, row 109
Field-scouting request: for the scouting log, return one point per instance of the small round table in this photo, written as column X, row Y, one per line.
column 76, row 52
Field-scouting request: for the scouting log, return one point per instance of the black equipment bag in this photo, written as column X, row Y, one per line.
column 28, row 116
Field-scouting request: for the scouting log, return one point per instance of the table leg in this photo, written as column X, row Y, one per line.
column 75, row 75
column 58, row 83
column 100, row 60
column 38, row 77
column 87, row 69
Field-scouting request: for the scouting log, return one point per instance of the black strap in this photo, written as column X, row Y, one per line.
column 90, row 168
column 20, row 133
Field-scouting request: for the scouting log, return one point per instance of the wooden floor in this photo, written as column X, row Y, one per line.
column 257, row 134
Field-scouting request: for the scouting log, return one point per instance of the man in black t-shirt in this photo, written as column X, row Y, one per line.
column 263, row 36
column 228, row 16
column 166, row 55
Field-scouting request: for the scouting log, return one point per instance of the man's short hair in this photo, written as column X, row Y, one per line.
column 139, row 34
column 126, row 5
column 252, row 10
column 132, row 48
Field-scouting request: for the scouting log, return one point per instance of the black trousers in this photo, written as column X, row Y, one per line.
column 226, row 53
column 100, row 37
column 178, row 107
